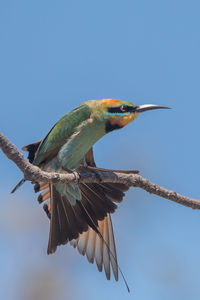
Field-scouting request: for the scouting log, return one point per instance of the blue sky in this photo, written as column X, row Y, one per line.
column 55, row 55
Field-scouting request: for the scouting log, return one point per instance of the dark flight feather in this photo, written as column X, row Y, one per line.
column 31, row 148
column 87, row 225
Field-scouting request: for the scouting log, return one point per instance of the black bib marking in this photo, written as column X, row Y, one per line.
column 110, row 127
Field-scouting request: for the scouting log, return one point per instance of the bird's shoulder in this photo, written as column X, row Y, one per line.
column 61, row 132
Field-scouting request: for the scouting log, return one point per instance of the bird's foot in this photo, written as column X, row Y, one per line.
column 67, row 170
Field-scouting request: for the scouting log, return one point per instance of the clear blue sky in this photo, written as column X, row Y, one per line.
column 55, row 55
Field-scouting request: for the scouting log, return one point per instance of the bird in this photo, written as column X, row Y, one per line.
column 80, row 213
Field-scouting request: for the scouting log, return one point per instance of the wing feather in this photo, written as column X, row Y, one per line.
column 106, row 254
column 91, row 244
column 99, row 248
column 59, row 134
column 87, row 224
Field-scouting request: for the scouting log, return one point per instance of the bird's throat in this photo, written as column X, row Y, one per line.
column 110, row 127
column 117, row 122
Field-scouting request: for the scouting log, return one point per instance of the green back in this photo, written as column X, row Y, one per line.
column 60, row 133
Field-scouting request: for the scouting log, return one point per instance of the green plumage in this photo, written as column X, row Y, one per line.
column 61, row 133
column 66, row 145
column 80, row 213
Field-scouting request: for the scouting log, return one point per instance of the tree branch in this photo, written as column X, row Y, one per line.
column 33, row 173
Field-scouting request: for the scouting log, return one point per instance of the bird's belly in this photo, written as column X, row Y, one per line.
column 72, row 152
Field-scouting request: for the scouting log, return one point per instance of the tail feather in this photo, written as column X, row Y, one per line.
column 112, row 248
column 81, row 244
column 85, row 223
column 69, row 219
column 73, row 224
column 106, row 251
column 40, row 186
column 55, row 236
column 92, row 245
column 99, row 248
column 110, row 253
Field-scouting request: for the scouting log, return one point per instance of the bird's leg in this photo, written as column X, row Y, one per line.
column 76, row 175
column 97, row 171
column 67, row 170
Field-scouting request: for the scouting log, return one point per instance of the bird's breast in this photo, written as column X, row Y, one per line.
column 75, row 148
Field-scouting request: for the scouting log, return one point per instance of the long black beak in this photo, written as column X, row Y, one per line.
column 145, row 107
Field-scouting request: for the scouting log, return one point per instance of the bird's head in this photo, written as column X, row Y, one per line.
column 117, row 113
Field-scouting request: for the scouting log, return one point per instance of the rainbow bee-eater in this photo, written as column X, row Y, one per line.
column 80, row 213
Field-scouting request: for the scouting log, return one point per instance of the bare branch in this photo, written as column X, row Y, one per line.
column 33, row 173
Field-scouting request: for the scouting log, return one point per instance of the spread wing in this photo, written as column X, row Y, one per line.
column 94, row 239
column 97, row 248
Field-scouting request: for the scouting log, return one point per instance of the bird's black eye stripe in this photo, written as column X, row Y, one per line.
column 121, row 109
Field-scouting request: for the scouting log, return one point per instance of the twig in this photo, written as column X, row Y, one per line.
column 33, row 173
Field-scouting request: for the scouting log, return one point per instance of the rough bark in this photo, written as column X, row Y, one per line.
column 33, row 173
